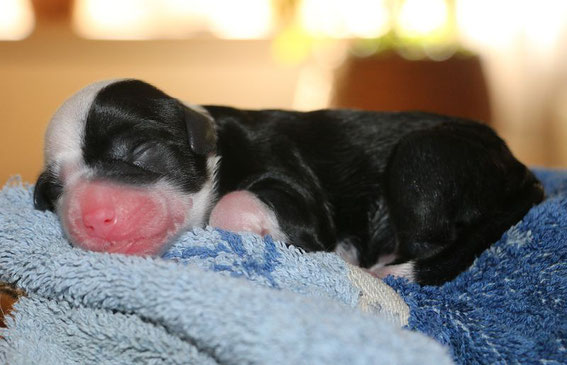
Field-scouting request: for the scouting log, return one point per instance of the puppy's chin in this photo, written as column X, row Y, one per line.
column 114, row 218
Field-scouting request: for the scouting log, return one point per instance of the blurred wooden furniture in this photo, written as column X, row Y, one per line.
column 455, row 86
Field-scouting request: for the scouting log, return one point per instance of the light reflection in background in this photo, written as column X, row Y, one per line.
column 479, row 23
column 345, row 19
column 522, row 43
column 242, row 19
column 501, row 23
column 16, row 19
column 158, row 19
column 419, row 18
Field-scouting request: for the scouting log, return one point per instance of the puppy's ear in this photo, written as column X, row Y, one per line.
column 201, row 132
column 47, row 191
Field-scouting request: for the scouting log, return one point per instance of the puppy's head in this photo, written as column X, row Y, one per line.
column 127, row 167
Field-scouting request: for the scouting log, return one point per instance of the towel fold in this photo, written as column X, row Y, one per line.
column 216, row 297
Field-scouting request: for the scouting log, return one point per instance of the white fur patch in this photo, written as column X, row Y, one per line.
column 199, row 109
column 404, row 270
column 274, row 226
column 383, row 261
column 66, row 130
column 204, row 198
column 347, row 252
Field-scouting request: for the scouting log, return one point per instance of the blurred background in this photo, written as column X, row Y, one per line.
column 500, row 61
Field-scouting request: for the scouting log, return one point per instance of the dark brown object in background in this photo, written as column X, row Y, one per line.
column 9, row 295
column 456, row 86
column 52, row 9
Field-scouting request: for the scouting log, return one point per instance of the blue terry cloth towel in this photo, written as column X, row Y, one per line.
column 216, row 298
column 510, row 307
column 219, row 297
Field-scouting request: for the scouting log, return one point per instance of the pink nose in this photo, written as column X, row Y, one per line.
column 100, row 221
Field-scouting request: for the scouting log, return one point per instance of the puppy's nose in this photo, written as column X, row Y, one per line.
column 99, row 221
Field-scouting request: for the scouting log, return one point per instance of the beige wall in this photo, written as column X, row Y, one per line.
column 37, row 75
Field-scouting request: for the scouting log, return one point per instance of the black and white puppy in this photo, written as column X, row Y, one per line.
column 127, row 168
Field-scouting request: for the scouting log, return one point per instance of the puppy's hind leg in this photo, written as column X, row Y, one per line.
column 451, row 191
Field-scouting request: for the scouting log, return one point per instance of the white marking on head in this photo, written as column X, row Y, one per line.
column 65, row 132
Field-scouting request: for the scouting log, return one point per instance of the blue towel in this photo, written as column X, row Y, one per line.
column 219, row 297
column 511, row 305
column 216, row 298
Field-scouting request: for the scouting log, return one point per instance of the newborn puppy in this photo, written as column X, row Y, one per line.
column 128, row 168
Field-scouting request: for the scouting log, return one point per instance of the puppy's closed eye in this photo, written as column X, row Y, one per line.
column 148, row 156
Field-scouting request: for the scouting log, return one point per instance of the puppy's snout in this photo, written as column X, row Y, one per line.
column 98, row 211
column 102, row 216
column 99, row 221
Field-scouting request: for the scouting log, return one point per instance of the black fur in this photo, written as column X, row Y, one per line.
column 47, row 191
column 432, row 189
column 137, row 134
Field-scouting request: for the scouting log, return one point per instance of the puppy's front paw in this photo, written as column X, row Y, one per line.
column 240, row 211
column 405, row 270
